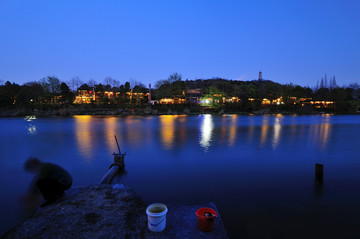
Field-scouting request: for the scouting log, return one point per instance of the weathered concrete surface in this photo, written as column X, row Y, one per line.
column 102, row 211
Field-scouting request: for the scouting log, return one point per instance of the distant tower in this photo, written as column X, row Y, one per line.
column 149, row 93
column 260, row 76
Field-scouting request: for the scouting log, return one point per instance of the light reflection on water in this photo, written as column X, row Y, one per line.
column 173, row 131
column 31, row 127
column 207, row 127
column 264, row 130
column 233, row 130
column 112, row 128
column 134, row 130
column 277, row 132
column 83, row 136
column 320, row 133
column 168, row 131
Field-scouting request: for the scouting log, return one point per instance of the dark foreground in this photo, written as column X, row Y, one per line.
column 100, row 211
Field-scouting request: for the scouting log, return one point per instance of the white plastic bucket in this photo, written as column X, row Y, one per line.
column 156, row 213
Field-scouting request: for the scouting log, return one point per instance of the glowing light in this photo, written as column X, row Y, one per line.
column 207, row 128
column 266, row 102
column 167, row 101
column 30, row 118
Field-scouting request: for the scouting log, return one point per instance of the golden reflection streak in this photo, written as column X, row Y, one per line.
column 233, row 130
column 321, row 133
column 110, row 131
column 264, row 130
column 277, row 132
column 82, row 132
column 325, row 132
column 207, row 128
column 168, row 130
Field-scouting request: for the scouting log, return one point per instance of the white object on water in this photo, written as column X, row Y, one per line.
column 156, row 213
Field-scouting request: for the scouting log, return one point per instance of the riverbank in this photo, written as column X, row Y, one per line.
column 87, row 110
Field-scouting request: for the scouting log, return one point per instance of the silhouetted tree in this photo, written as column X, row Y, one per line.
column 84, row 87
column 99, row 88
column 8, row 93
column 91, row 83
column 332, row 84
column 31, row 92
column 67, row 95
column 127, row 86
column 54, row 84
column 170, row 87
column 75, row 83
column 111, row 81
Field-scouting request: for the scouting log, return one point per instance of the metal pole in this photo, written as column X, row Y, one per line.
column 117, row 144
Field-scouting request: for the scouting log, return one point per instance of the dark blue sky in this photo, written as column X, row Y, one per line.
column 289, row 41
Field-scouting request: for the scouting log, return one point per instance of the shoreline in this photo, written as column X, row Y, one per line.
column 14, row 113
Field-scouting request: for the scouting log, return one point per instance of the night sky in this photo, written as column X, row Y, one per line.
column 289, row 41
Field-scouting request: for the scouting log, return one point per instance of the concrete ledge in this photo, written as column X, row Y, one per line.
column 102, row 211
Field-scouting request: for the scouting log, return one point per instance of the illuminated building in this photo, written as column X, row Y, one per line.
column 84, row 97
column 265, row 102
column 278, row 101
column 193, row 96
column 167, row 101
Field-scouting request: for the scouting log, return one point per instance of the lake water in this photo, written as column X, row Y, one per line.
column 258, row 170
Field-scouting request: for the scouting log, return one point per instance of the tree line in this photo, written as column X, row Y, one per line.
column 44, row 90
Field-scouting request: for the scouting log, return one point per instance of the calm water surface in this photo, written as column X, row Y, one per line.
column 259, row 170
